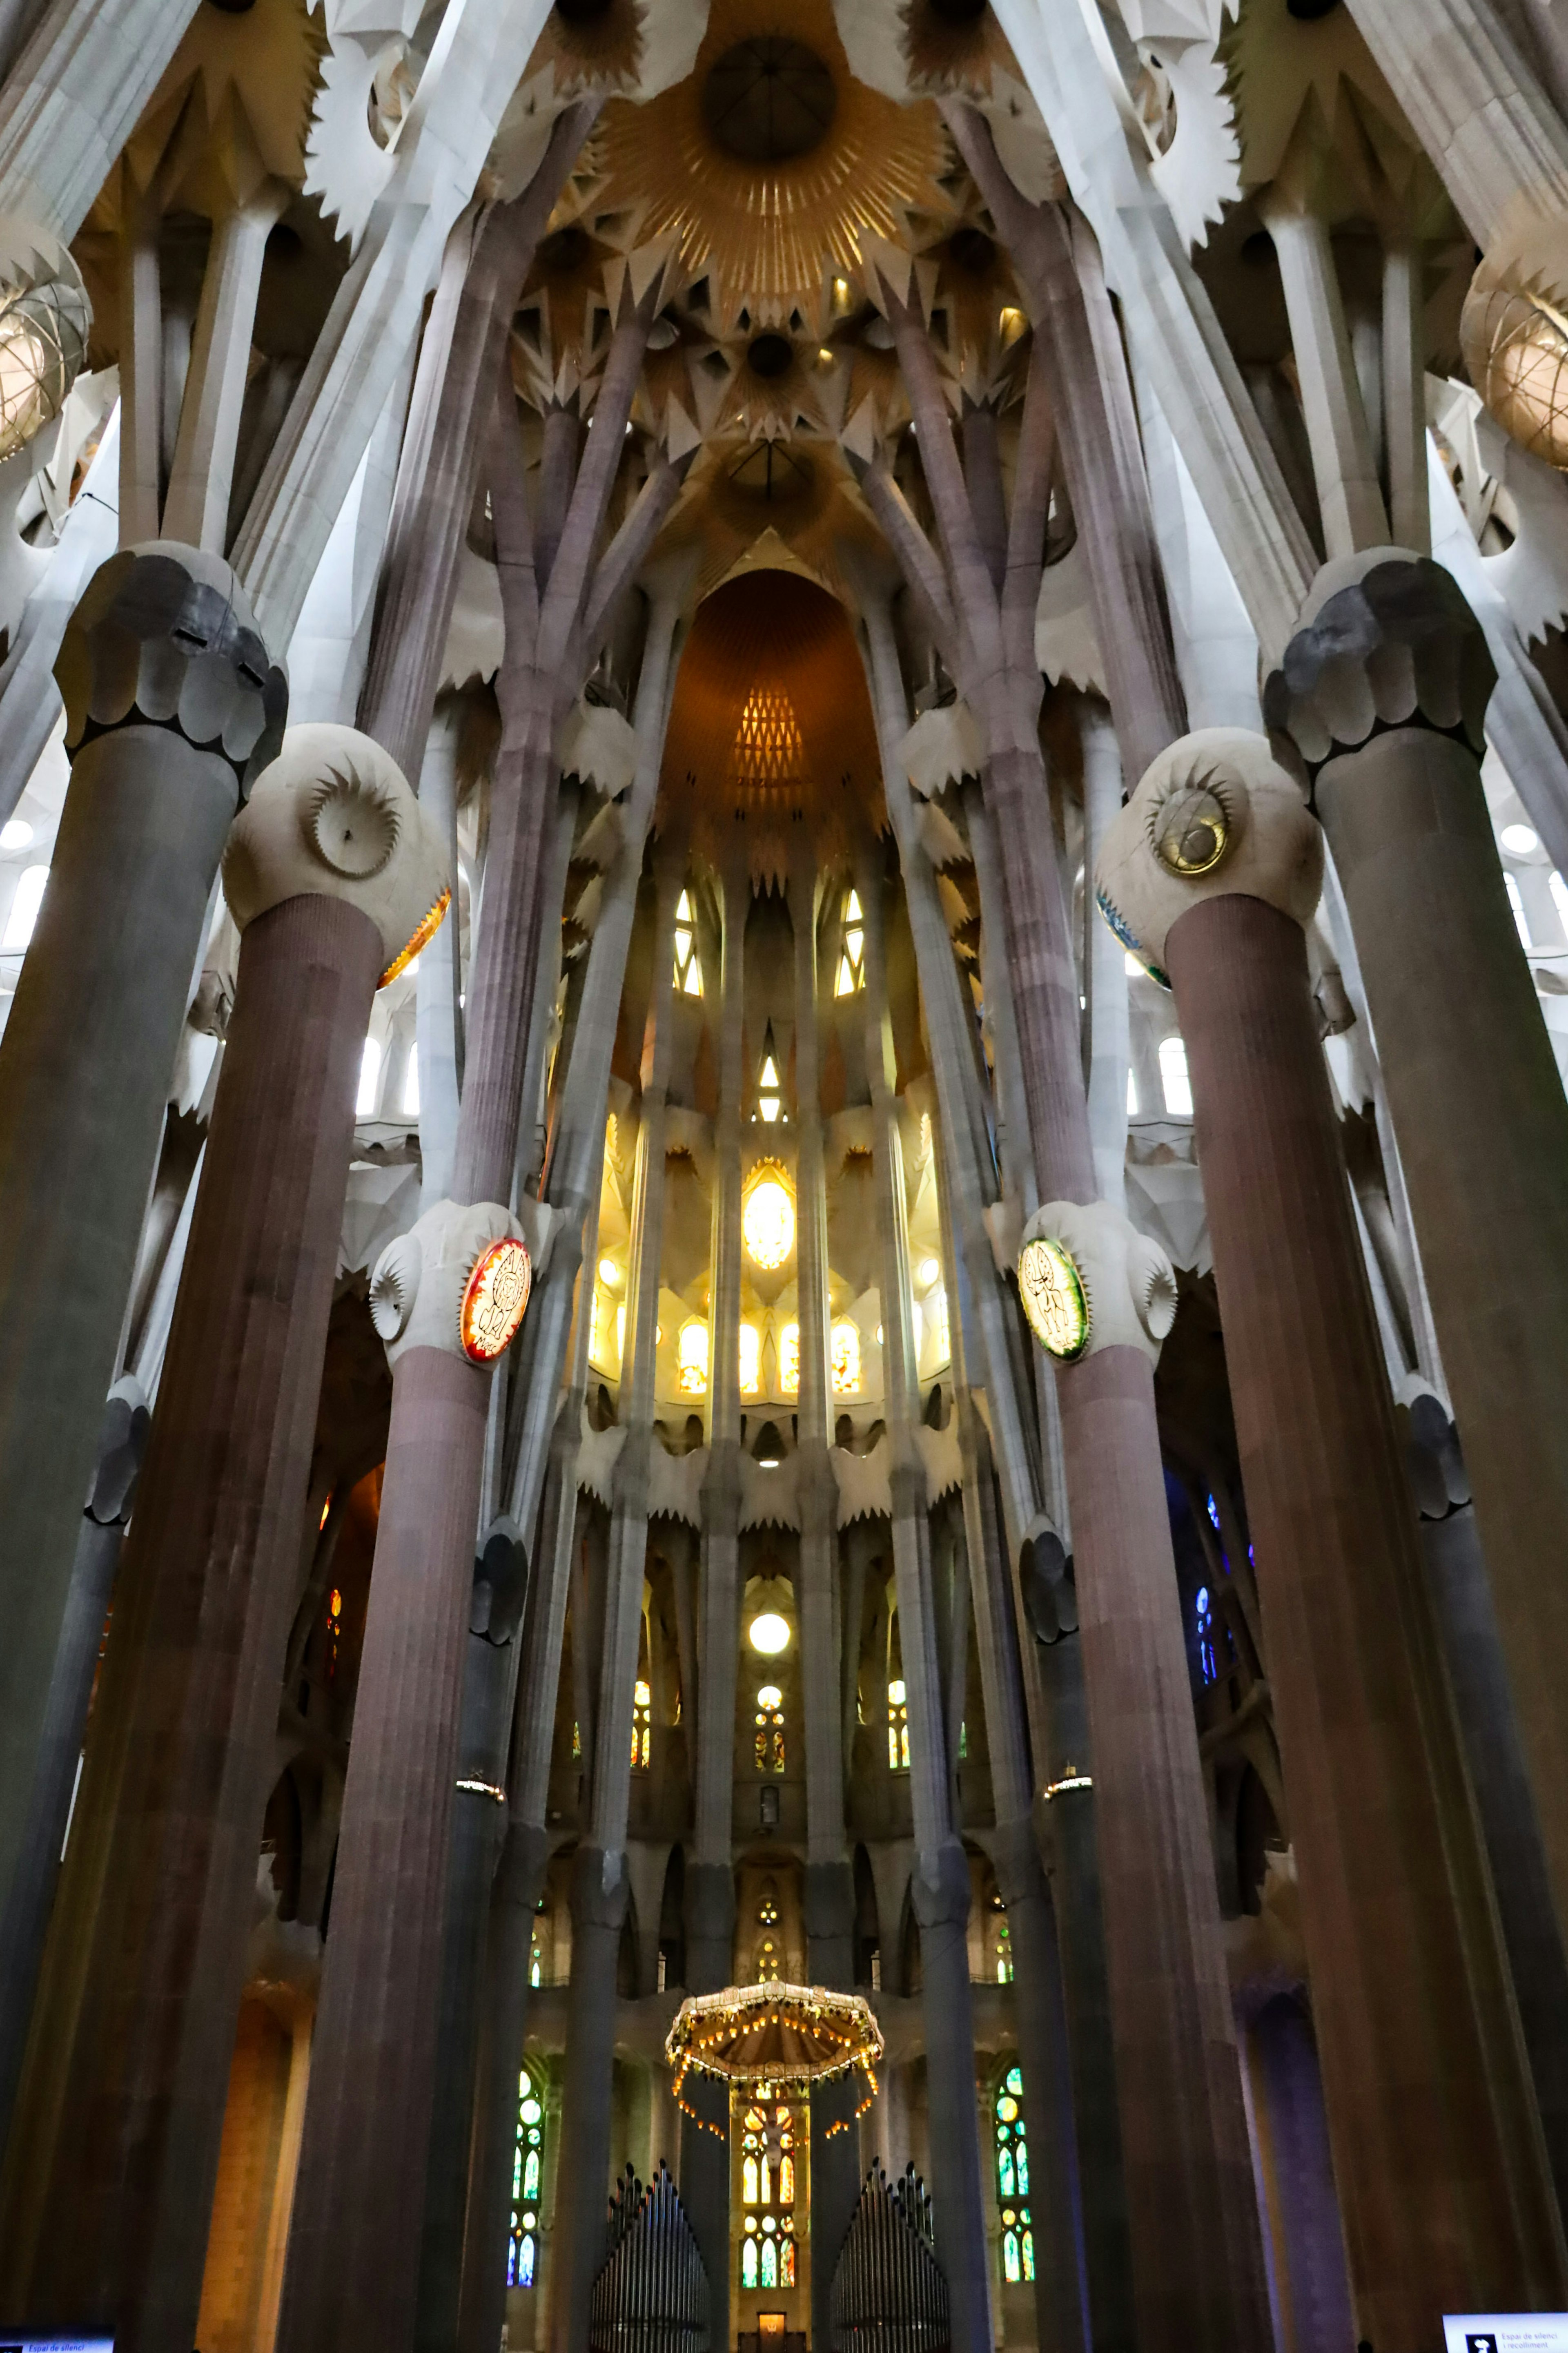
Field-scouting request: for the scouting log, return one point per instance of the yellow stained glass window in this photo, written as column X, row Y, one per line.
column 642, row 1728
column 937, row 1329
column 789, row 1359
column 770, row 1741
column 845, row 1357
column 767, row 1217
column 852, row 962
column 691, row 1351
column 897, row 1728
column 751, row 1355
column 688, row 964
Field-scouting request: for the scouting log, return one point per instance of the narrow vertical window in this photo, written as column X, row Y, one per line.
column 770, row 1729
column 852, row 963
column 1012, row 2181
column 1202, row 1611
column 1173, row 1079
column 897, row 1728
column 369, row 1093
column 527, row 2180
column 642, row 1728
column 691, row 1354
column 688, row 964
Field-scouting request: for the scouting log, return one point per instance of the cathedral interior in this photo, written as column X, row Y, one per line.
column 784, row 1338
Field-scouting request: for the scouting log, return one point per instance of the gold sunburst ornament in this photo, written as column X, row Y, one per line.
column 495, row 1301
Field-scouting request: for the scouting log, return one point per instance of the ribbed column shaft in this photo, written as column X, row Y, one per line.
column 122, row 2118
column 1443, row 2187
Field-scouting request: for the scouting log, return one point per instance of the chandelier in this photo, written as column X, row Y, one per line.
column 775, row 2041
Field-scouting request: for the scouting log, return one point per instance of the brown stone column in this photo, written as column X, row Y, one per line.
column 1443, row 2187
column 121, row 2113
column 1381, row 696
column 353, row 2262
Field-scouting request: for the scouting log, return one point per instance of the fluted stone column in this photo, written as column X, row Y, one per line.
column 74, row 96
column 354, row 2247
column 939, row 1890
column 1350, row 499
column 122, row 2112
column 1215, row 868
column 1105, row 969
column 600, row 1885
column 173, row 708
column 1382, row 695
column 122, row 1443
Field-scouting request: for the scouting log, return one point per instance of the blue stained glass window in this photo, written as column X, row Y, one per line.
column 522, row 2250
column 1203, row 1610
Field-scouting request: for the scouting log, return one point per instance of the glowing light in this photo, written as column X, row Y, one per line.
column 768, row 1633
column 770, row 1695
column 1518, row 840
column 767, row 1219
column 1010, row 323
column 609, row 1273
column 369, row 1075
column 845, row 1357
column 1053, row 1296
column 927, row 1271
column 789, row 1359
column 1176, row 1085
column 427, row 931
column 691, row 1354
column 688, row 967
column 495, row 1301
column 751, row 1359
column 16, row 833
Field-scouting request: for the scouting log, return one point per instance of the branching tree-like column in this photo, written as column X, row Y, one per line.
column 1381, row 697
column 1215, row 868
column 330, row 876
column 1197, row 2263
column 354, row 2242
column 173, row 709
column 600, row 1885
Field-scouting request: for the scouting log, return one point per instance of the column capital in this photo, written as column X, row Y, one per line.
column 1090, row 1281
column 334, row 818
column 164, row 637
column 1215, row 817
column 1386, row 640
column 458, row 1280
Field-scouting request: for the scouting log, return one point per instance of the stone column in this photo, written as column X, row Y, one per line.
column 353, row 2248
column 122, row 1443
column 329, row 875
column 74, row 97
column 1343, row 465
column 1382, row 695
column 1105, row 966
column 1215, row 868
column 940, row 1889
column 1467, row 1628
column 171, row 709
column 202, row 477
column 599, row 1883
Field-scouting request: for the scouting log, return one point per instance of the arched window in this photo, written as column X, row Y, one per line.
column 770, row 1093
column 852, row 963
column 767, row 2197
column 897, row 1728
column 1520, row 921
column 751, row 1357
column 642, row 1727
column 1012, row 2180
column 1173, row 1079
column 845, row 1357
column 334, row 1630
column 688, row 965
column 527, row 2183
column 411, row 1084
column 770, row 1729
column 789, row 1359
column 767, row 1217
column 369, row 1093
column 1004, row 1953
column 26, row 900
column 691, row 1351
column 1202, row 1611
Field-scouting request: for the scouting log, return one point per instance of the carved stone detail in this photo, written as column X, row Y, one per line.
column 417, row 1285
column 1129, row 1283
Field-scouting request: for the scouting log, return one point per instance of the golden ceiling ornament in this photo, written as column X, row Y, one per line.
column 1514, row 336
column 775, row 2040
column 765, row 228
column 763, row 638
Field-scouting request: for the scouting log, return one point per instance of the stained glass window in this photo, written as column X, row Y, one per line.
column 770, row 1729
column 845, row 1357
column 852, row 963
column 767, row 1217
column 768, row 2148
column 1012, row 2180
column 334, row 1631
column 897, row 1728
column 789, row 1359
column 751, row 1355
column 1003, row 1954
column 642, row 1728
column 934, row 1322
column 1203, row 1610
column 691, row 1352
column 688, row 965
column 527, row 2182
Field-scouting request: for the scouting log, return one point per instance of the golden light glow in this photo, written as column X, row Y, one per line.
column 852, row 963
column 609, row 1272
column 751, row 1359
column 769, row 1634
column 427, row 931
column 688, row 965
column 1054, row 1299
column 845, row 1357
column 789, row 1359
column 495, row 1301
column 691, row 1351
column 767, row 1217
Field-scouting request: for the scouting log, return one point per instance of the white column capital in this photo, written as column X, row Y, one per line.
column 453, row 1282
column 1089, row 1280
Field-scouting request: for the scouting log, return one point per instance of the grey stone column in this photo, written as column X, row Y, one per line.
column 1215, row 868
column 165, row 731
column 122, row 1443
column 1381, row 696
column 600, row 1885
column 1105, row 965
column 940, row 1885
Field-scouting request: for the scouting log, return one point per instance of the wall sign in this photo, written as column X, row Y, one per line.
column 1505, row 2332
